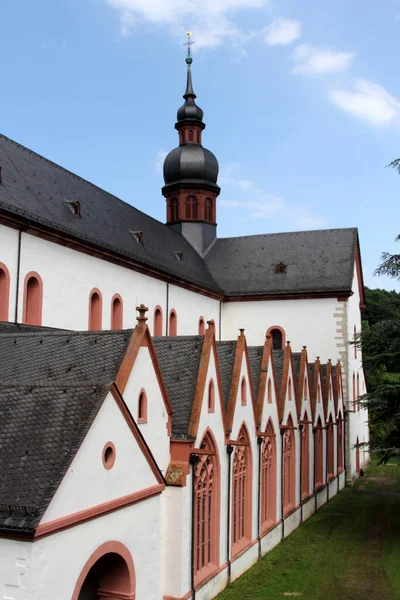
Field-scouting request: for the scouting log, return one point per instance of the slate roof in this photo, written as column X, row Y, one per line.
column 39, row 190
column 7, row 327
column 42, row 192
column 179, row 360
column 52, row 385
column 226, row 357
column 279, row 356
column 316, row 261
column 296, row 359
column 255, row 360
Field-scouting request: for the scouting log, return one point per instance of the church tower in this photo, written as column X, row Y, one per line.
column 190, row 175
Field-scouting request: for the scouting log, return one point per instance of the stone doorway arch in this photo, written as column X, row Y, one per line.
column 109, row 573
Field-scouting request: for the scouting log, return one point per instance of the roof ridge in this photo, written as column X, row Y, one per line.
column 306, row 231
column 56, row 383
column 63, row 332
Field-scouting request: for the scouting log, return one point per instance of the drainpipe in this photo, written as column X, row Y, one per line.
column 259, row 442
column 282, row 483
column 301, row 472
column 326, row 463
column 18, row 275
column 193, row 460
column 315, row 456
column 229, row 450
column 167, row 312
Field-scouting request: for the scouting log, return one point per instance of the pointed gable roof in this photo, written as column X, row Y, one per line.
column 338, row 388
column 226, row 352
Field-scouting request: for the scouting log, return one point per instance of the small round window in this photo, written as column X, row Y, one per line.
column 109, row 456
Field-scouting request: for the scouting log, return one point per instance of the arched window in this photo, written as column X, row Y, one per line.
column 157, row 328
column 319, row 449
column 209, row 210
column 206, row 510
column 268, row 478
column 269, row 391
column 290, row 389
column 241, row 493
column 202, row 326
column 4, row 292
column 33, row 298
column 190, row 135
column 142, row 407
column 95, row 310
column 289, row 466
column 211, row 396
column 331, row 450
column 354, row 392
column 174, row 209
column 173, row 323
column 182, row 136
column 198, row 137
column 243, row 392
column 358, row 392
column 191, row 206
column 116, row 312
column 278, row 337
column 340, row 444
column 357, row 457
column 305, row 459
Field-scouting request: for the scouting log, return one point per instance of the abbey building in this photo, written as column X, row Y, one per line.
column 157, row 452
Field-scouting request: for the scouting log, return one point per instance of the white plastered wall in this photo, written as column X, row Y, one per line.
column 9, row 257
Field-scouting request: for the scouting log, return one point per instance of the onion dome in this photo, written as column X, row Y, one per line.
column 191, row 162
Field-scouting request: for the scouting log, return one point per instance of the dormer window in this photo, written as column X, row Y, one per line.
column 179, row 256
column 281, row 268
column 138, row 237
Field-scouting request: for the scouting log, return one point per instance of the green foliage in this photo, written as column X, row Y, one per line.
column 381, row 305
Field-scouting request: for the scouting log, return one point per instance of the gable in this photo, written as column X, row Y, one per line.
column 87, row 482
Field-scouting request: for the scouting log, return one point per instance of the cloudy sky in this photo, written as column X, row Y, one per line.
column 301, row 102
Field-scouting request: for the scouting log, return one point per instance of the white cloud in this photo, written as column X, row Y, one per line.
column 282, row 32
column 211, row 20
column 159, row 161
column 368, row 101
column 313, row 60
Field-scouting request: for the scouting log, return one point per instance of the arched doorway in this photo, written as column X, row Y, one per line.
column 109, row 573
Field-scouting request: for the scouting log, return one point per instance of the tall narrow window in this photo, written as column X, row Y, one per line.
column 241, row 493
column 318, row 440
column 331, row 450
column 209, row 210
column 157, row 321
column 278, row 337
column 174, row 209
column 243, row 392
column 33, row 297
column 4, row 292
column 268, row 478
column 116, row 312
column 190, row 135
column 340, row 444
column 142, row 407
column 269, row 391
column 211, row 397
column 202, row 326
column 358, row 392
column 191, row 206
column 305, row 456
column 206, row 510
column 289, row 466
column 354, row 392
column 354, row 339
column 305, row 390
column 173, row 323
column 290, row 389
column 319, row 393
column 95, row 310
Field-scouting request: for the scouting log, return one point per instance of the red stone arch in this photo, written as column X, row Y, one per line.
column 158, row 321
column 4, row 292
column 268, row 477
column 305, row 456
column 95, row 310
column 330, row 448
column 242, row 470
column 173, row 323
column 207, row 508
column 270, row 331
column 33, row 299
column 116, row 578
column 319, row 449
column 117, row 312
column 289, row 467
column 340, row 443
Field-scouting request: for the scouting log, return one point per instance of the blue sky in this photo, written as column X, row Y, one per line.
column 301, row 102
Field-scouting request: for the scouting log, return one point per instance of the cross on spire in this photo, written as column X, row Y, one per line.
column 189, row 45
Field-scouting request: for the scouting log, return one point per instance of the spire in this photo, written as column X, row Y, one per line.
column 189, row 86
column 189, row 110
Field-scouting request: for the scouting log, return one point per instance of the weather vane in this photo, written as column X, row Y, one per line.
column 189, row 45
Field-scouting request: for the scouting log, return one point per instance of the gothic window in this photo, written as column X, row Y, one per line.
column 268, row 479
column 331, row 451
column 358, row 392
column 116, row 312
column 354, row 392
column 33, row 297
column 157, row 321
column 191, row 206
column 174, row 209
column 4, row 292
column 318, row 440
column 269, row 391
column 206, row 514
column 173, row 323
column 289, row 466
column 290, row 389
column 340, row 444
column 241, row 493
column 142, row 407
column 243, row 392
column 95, row 310
column 211, row 397
column 202, row 327
column 209, row 210
column 305, row 454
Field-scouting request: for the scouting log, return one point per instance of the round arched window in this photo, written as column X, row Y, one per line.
column 109, row 456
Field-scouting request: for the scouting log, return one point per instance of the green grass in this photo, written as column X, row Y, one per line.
column 349, row 550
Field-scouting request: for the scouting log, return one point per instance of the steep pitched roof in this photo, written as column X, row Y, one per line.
column 226, row 352
column 43, row 192
column 179, row 360
column 255, row 354
column 52, row 384
column 315, row 261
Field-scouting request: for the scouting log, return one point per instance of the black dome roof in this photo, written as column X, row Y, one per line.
column 190, row 110
column 191, row 161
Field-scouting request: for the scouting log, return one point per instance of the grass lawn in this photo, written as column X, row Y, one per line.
column 349, row 550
